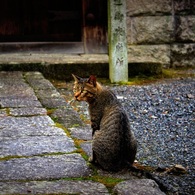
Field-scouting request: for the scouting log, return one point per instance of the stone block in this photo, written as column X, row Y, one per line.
column 148, row 7
column 54, row 187
column 138, row 186
column 67, row 117
column 10, row 102
column 30, row 111
column 149, row 54
column 27, row 122
column 185, row 28
column 182, row 55
column 184, row 6
column 149, row 30
column 36, row 145
column 22, row 131
column 84, row 133
column 44, row 167
column 87, row 147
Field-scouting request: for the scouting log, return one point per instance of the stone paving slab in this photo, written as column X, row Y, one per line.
column 44, row 167
column 30, row 111
column 87, row 147
column 138, row 187
column 18, row 102
column 36, row 145
column 27, row 122
column 38, row 82
column 53, row 187
column 67, row 117
column 22, row 131
column 35, row 154
column 84, row 133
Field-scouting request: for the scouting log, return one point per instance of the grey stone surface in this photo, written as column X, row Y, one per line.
column 185, row 29
column 84, row 133
column 138, row 187
column 16, row 75
column 149, row 54
column 149, row 30
column 47, row 93
column 182, row 55
column 87, row 147
column 158, row 22
column 36, row 145
column 53, row 187
column 30, row 111
column 14, row 102
column 52, row 102
column 44, row 167
column 23, row 131
column 27, row 122
column 15, row 87
column 3, row 112
column 34, row 152
column 184, row 7
column 148, row 7
column 38, row 83
column 67, row 116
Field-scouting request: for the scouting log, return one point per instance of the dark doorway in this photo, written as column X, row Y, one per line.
column 40, row 20
column 77, row 26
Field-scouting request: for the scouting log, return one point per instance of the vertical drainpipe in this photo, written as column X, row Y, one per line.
column 118, row 60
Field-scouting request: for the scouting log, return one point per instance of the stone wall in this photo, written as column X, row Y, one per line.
column 162, row 32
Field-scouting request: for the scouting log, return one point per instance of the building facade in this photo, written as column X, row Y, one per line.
column 159, row 33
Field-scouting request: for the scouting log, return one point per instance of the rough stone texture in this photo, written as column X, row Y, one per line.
column 28, row 122
column 161, row 22
column 138, row 187
column 149, row 30
column 24, row 131
column 3, row 112
column 184, row 6
column 118, row 61
column 38, row 82
column 149, row 54
column 68, row 117
column 45, row 91
column 87, row 147
column 18, row 102
column 35, row 145
column 45, row 167
column 185, row 28
column 50, row 102
column 182, row 55
column 148, row 7
column 53, row 187
column 84, row 133
column 31, row 111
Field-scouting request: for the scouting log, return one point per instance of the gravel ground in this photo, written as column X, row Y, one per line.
column 162, row 115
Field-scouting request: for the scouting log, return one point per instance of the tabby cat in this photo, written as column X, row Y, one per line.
column 114, row 145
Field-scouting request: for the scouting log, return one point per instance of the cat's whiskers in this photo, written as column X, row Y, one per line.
column 72, row 101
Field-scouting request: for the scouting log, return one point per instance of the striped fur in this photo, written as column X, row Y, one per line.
column 114, row 145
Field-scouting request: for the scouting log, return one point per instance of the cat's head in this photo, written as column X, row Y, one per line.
column 85, row 89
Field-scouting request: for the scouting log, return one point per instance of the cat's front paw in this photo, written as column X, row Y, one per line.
column 91, row 160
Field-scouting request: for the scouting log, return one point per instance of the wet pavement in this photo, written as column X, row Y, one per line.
column 44, row 145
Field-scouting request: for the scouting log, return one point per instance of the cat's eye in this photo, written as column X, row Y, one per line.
column 77, row 88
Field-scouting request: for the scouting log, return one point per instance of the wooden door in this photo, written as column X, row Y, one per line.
column 95, row 26
column 83, row 23
column 40, row 20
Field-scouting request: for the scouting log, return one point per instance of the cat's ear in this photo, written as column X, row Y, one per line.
column 92, row 80
column 76, row 78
